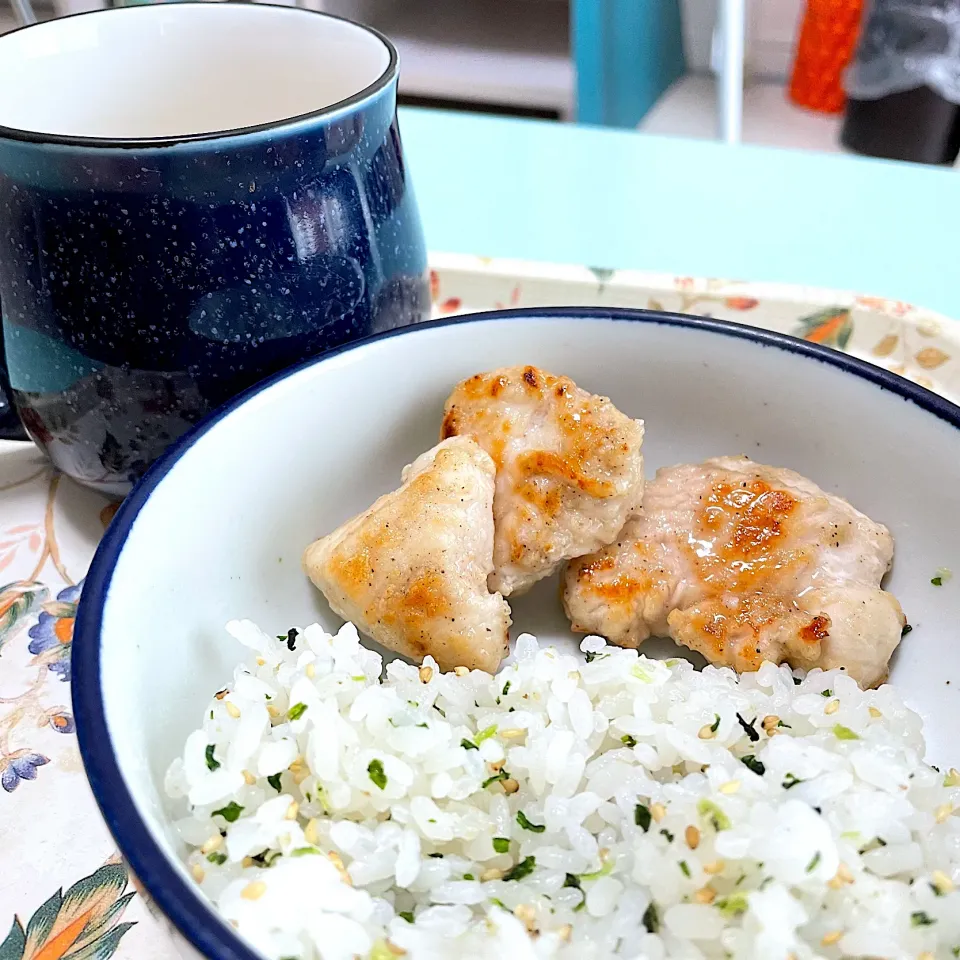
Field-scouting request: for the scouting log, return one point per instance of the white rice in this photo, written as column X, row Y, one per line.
column 643, row 833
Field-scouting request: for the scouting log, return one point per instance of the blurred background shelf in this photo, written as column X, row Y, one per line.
column 495, row 53
column 769, row 118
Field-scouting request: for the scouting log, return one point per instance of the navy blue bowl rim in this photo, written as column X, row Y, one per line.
column 388, row 76
column 196, row 921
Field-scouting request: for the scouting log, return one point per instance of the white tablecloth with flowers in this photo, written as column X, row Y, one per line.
column 64, row 892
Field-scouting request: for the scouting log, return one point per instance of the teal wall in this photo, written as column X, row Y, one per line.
column 626, row 53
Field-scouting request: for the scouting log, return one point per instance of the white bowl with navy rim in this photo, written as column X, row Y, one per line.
column 217, row 527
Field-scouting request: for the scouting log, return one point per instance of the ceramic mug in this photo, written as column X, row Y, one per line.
column 192, row 197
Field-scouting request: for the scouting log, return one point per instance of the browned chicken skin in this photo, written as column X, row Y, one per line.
column 744, row 563
column 569, row 468
column 411, row 572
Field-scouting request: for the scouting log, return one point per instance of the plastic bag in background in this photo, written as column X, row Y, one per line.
column 903, row 86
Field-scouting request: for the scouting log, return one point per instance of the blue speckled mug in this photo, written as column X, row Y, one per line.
column 192, row 197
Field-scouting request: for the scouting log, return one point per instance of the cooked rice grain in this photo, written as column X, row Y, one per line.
column 564, row 809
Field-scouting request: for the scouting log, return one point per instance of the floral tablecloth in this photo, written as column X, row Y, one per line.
column 64, row 892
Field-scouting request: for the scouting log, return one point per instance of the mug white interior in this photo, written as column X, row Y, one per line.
column 183, row 69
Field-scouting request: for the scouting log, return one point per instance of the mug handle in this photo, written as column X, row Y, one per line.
column 10, row 426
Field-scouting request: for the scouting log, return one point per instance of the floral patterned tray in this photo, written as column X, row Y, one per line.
column 64, row 893
column 916, row 343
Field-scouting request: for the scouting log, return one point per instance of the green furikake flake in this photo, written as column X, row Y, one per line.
column 501, row 844
column 733, row 905
column 642, row 816
column 297, row 711
column 375, row 771
column 707, row 808
column 274, row 781
column 485, row 734
column 230, row 812
column 844, row 733
column 212, row 764
column 527, row 825
column 752, row 763
column 502, row 775
column 628, row 740
column 522, row 869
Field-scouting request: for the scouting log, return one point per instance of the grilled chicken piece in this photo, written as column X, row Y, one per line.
column 569, row 468
column 744, row 563
column 411, row 572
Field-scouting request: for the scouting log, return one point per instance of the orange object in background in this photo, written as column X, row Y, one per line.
column 828, row 38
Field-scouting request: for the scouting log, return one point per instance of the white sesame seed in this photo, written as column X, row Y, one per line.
column 942, row 882
column 426, row 674
column 233, row 710
column 215, row 841
column 254, row 891
column 526, row 915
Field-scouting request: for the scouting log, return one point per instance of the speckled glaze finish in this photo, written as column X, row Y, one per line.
column 144, row 283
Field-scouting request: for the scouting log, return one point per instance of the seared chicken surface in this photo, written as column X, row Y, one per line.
column 569, row 468
column 411, row 572
column 744, row 563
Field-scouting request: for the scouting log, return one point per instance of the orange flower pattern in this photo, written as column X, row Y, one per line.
column 81, row 924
